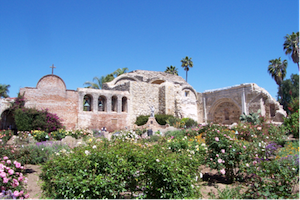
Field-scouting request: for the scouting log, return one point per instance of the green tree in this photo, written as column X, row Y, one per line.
column 120, row 71
column 288, row 91
column 97, row 84
column 291, row 46
column 4, row 90
column 277, row 70
column 186, row 64
column 172, row 70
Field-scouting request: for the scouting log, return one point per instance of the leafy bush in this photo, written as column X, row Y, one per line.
column 28, row 119
column 59, row 134
column 174, row 121
column 142, row 119
column 80, row 133
column 292, row 124
column 162, row 118
column 251, row 118
column 5, row 135
column 188, row 122
column 12, row 179
column 294, row 105
column 110, row 170
column 177, row 133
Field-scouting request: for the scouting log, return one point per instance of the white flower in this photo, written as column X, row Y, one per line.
column 94, row 147
column 192, row 152
column 201, row 175
column 157, row 160
column 57, row 154
column 87, row 152
column 203, row 144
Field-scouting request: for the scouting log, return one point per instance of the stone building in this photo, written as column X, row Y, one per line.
column 117, row 105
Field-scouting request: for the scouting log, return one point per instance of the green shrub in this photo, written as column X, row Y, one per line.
column 108, row 170
column 177, row 133
column 174, row 121
column 142, row 119
column 162, row 118
column 188, row 122
column 28, row 119
column 59, row 134
column 251, row 118
column 292, row 124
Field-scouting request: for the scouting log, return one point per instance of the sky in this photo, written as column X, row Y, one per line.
column 230, row 41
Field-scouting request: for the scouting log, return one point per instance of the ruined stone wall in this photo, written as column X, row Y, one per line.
column 189, row 104
column 143, row 95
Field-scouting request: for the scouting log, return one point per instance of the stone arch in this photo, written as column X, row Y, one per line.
column 188, row 88
column 102, row 103
column 87, row 102
column 124, row 104
column 224, row 111
column 114, row 103
column 122, row 78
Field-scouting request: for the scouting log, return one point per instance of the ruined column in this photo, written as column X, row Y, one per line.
column 204, row 110
column 244, row 108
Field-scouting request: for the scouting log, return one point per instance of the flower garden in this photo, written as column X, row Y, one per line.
column 258, row 158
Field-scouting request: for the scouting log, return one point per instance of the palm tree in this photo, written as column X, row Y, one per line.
column 186, row 64
column 97, row 84
column 291, row 46
column 277, row 70
column 120, row 71
column 4, row 90
column 172, row 70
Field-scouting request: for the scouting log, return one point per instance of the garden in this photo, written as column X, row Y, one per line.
column 253, row 159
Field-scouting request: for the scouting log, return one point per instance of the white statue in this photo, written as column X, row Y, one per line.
column 152, row 111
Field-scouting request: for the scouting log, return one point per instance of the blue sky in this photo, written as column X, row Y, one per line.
column 230, row 42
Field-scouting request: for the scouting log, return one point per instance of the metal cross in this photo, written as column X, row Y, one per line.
column 52, row 67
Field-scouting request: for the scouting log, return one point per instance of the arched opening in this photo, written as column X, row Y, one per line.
column 124, row 104
column 7, row 121
column 114, row 104
column 102, row 104
column 87, row 103
column 226, row 113
column 158, row 82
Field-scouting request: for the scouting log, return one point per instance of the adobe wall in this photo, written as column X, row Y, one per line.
column 51, row 93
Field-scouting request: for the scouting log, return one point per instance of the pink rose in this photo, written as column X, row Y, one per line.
column 15, row 183
column 220, row 160
column 244, row 147
column 223, row 171
column 26, row 196
column 217, row 139
column 18, row 165
column 218, row 131
column 8, row 162
column 16, row 193
column 11, row 172
column 5, row 180
column 254, row 162
column 247, row 165
column 211, row 159
column 5, row 158
column 217, row 155
column 3, row 174
column 21, row 192
column 223, row 150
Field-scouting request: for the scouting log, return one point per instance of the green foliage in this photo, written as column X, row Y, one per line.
column 162, row 118
column 225, row 152
column 177, row 133
column 4, row 90
column 28, row 119
column 172, row 70
column 292, row 124
column 294, row 106
column 273, row 179
column 188, row 122
column 174, row 121
column 79, row 133
column 108, row 170
column 5, row 135
column 289, row 89
column 252, row 117
column 59, row 134
column 142, row 119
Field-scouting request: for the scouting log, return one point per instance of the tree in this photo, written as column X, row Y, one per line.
column 172, row 70
column 277, row 70
column 289, row 91
column 97, row 84
column 120, row 71
column 291, row 46
column 186, row 64
column 4, row 90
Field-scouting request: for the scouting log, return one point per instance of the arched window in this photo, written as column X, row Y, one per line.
column 124, row 104
column 114, row 104
column 87, row 103
column 102, row 104
column 272, row 110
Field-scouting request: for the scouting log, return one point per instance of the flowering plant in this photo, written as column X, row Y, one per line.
column 12, row 179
